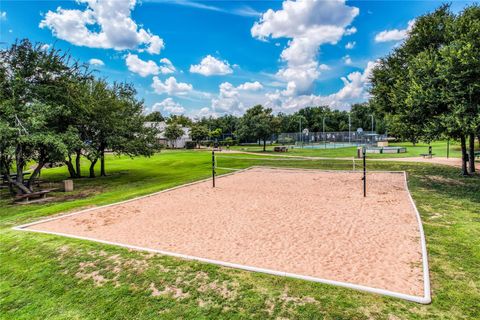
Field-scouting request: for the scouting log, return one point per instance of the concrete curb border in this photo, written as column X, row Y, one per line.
column 426, row 299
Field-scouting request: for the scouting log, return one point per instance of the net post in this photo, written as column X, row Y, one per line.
column 364, row 171
column 213, row 168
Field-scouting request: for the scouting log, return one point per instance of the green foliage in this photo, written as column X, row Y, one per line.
column 215, row 134
column 172, row 132
column 155, row 116
column 190, row 144
column 258, row 123
column 428, row 87
column 181, row 120
column 198, row 133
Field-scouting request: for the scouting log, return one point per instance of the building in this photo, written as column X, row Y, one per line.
column 161, row 126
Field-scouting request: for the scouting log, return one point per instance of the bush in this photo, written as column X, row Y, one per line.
column 190, row 144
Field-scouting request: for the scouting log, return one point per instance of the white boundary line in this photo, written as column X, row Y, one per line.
column 426, row 299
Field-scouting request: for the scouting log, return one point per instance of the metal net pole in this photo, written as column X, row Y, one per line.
column 213, row 168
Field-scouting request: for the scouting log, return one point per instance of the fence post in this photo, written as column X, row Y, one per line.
column 364, row 172
column 213, row 168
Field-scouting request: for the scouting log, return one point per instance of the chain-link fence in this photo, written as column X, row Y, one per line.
column 339, row 139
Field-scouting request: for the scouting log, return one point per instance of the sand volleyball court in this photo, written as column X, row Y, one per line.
column 310, row 224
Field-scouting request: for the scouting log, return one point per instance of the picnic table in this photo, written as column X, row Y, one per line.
column 13, row 176
column 280, row 149
column 42, row 194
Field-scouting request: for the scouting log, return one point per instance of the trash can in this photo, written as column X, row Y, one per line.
column 67, row 185
column 359, row 152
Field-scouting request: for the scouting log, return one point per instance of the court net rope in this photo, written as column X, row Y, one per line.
column 321, row 162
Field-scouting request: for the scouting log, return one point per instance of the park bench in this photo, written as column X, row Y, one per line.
column 427, row 155
column 280, row 149
column 42, row 194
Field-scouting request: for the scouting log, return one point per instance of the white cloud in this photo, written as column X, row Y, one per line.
column 45, row 47
column 350, row 45
column 244, row 11
column 146, row 68
column 112, row 19
column 350, row 31
column 395, row 34
column 355, row 89
column 141, row 67
column 210, row 66
column 170, row 106
column 228, row 100
column 167, row 66
column 3, row 15
column 309, row 24
column 253, row 86
column 234, row 100
column 171, row 87
column 96, row 62
column 347, row 60
column 203, row 112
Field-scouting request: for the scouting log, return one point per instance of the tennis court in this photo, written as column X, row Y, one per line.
column 309, row 224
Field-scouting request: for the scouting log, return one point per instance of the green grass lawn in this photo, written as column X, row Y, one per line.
column 51, row 277
column 439, row 148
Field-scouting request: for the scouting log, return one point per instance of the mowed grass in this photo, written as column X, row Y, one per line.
column 52, row 277
column 439, row 148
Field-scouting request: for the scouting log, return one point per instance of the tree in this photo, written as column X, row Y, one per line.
column 155, row 116
column 215, row 134
column 258, row 123
column 172, row 132
column 115, row 123
column 181, row 120
column 33, row 82
column 429, row 85
column 198, row 133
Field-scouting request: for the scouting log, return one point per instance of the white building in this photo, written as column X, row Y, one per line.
column 161, row 126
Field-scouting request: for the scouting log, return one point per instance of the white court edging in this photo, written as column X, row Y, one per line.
column 426, row 299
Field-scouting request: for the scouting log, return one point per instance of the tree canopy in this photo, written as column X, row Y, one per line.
column 429, row 87
column 51, row 108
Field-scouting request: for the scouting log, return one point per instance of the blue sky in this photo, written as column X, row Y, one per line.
column 216, row 57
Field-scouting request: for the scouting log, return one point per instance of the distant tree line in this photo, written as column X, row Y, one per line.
column 260, row 124
column 52, row 109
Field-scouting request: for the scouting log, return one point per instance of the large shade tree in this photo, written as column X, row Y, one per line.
column 258, row 123
column 32, row 86
column 428, row 88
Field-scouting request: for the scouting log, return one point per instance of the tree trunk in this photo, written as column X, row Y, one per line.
column 463, row 144
column 20, row 186
column 35, row 173
column 71, row 169
column 77, row 163
column 471, row 159
column 102, row 164
column 92, row 168
column 264, row 144
column 19, row 166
